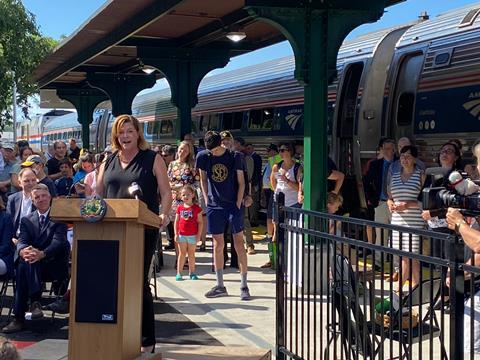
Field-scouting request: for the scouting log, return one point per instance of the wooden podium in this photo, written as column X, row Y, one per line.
column 106, row 280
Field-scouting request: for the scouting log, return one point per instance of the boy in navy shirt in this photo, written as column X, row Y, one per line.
column 223, row 185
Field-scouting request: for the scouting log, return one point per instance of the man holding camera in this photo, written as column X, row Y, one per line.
column 471, row 237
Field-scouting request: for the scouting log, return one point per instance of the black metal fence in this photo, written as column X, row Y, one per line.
column 337, row 297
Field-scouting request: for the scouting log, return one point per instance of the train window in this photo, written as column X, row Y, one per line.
column 405, row 92
column 214, row 122
column 159, row 128
column 233, row 121
column 406, row 104
column 261, row 119
column 442, row 59
column 348, row 100
column 166, row 127
column 203, row 123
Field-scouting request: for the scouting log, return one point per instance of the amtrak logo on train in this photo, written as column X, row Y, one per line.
column 473, row 106
column 293, row 117
column 219, row 172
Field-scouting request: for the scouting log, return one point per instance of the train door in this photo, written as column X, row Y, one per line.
column 403, row 102
column 346, row 113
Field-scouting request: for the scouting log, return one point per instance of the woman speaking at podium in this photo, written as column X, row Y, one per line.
column 134, row 162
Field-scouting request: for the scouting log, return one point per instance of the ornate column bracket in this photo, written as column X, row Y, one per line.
column 184, row 69
column 121, row 88
column 85, row 101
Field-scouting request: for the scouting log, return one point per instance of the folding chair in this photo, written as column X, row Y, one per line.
column 351, row 322
column 6, row 281
column 425, row 293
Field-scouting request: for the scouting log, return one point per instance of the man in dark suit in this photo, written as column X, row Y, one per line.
column 20, row 204
column 376, row 189
column 43, row 251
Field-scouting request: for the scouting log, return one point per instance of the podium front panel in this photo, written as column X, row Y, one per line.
column 97, row 281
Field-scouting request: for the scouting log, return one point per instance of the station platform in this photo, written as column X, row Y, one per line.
column 188, row 325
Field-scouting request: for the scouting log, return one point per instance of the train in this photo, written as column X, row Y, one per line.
column 420, row 80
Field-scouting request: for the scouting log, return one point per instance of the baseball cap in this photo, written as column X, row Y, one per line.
column 8, row 145
column 226, row 135
column 33, row 159
column 272, row 147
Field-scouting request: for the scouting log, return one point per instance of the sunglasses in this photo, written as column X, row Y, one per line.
column 447, row 151
column 283, row 150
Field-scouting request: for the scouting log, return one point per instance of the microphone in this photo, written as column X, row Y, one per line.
column 135, row 191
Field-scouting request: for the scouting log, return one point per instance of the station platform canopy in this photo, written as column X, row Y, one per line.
column 109, row 40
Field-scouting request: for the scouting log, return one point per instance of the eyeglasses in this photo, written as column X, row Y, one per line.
column 447, row 151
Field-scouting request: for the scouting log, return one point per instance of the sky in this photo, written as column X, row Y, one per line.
column 62, row 17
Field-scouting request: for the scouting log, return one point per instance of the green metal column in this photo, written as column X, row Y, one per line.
column 121, row 88
column 184, row 69
column 315, row 30
column 85, row 101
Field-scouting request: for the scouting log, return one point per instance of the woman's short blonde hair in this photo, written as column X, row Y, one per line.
column 117, row 125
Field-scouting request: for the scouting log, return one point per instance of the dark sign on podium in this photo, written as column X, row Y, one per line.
column 97, row 281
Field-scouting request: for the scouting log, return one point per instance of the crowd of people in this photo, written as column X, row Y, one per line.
column 394, row 181
column 215, row 188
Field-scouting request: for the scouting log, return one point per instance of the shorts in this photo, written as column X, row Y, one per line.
column 217, row 220
column 189, row 239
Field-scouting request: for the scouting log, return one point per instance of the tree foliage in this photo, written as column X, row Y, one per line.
column 22, row 47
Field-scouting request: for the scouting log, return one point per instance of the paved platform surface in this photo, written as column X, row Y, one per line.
column 58, row 350
column 228, row 319
column 187, row 323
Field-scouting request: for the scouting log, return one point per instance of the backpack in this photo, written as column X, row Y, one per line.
column 296, row 166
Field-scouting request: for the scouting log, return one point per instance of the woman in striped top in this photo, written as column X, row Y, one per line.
column 404, row 188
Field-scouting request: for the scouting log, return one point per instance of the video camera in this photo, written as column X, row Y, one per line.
column 464, row 195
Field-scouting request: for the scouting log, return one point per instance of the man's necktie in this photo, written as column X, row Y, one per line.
column 42, row 221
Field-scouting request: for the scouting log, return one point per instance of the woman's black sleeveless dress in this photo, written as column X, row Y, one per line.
column 116, row 181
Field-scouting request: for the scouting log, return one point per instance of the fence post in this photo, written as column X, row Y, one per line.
column 280, row 283
column 457, row 292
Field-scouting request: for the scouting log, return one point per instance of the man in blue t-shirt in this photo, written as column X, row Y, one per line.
column 223, row 185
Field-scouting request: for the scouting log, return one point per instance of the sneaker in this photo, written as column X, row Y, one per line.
column 244, row 293
column 202, row 248
column 179, row 277
column 15, row 325
column 217, row 291
column 36, row 310
column 193, row 277
column 251, row 250
column 59, row 306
